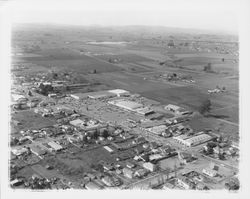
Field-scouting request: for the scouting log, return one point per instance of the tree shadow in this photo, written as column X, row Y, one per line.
column 217, row 116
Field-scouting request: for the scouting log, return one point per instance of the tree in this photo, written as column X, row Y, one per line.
column 208, row 67
column 104, row 133
column 205, row 107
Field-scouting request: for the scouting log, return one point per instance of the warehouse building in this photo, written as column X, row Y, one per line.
column 101, row 95
column 126, row 104
column 193, row 141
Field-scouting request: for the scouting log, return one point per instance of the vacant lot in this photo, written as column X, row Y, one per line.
column 84, row 159
column 30, row 120
column 187, row 96
column 216, row 125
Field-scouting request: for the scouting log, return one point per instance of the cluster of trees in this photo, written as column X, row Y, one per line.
column 103, row 132
column 205, row 107
column 45, row 89
column 208, row 68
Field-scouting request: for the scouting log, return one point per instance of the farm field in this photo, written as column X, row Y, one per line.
column 81, row 63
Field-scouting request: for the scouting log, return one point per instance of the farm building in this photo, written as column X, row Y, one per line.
column 193, row 141
column 126, row 104
column 120, row 92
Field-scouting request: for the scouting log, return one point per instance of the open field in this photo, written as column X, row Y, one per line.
column 81, row 63
column 30, row 120
column 186, row 95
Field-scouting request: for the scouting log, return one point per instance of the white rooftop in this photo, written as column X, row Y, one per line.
column 118, row 91
column 126, row 104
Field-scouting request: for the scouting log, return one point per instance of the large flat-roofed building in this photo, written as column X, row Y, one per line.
column 176, row 109
column 77, row 122
column 144, row 111
column 94, row 95
column 101, row 95
column 126, row 104
column 193, row 141
column 79, row 96
column 157, row 129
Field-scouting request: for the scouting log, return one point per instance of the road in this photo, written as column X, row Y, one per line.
column 228, row 122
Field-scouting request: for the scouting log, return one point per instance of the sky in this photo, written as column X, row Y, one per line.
column 215, row 15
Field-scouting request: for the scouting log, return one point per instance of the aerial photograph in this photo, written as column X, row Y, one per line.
column 124, row 102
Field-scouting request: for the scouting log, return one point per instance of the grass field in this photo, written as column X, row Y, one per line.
column 85, row 159
column 185, row 95
column 30, row 120
column 80, row 64
column 127, row 58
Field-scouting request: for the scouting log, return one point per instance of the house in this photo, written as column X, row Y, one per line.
column 139, row 149
column 108, row 181
column 185, row 157
column 19, row 151
column 149, row 166
column 210, row 172
column 201, row 186
column 128, row 173
column 168, row 186
column 185, row 182
column 154, row 145
column 108, row 149
column 108, row 167
column 55, row 146
column 92, row 186
column 141, row 173
column 140, row 140
column 130, row 165
column 155, row 157
column 144, row 157
column 37, row 150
